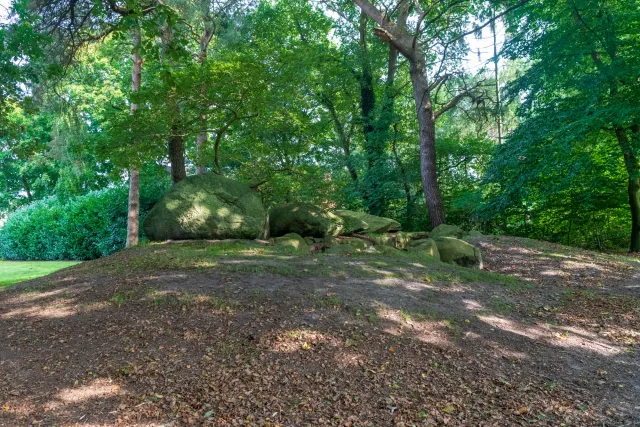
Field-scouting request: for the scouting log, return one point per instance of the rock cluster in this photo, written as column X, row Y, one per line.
column 209, row 206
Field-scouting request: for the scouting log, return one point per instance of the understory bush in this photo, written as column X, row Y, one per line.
column 82, row 228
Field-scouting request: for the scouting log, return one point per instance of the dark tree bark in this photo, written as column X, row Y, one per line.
column 371, row 184
column 175, row 141
column 427, row 129
column 632, row 164
column 176, row 155
column 27, row 189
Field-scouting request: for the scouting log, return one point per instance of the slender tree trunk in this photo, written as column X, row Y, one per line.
column 205, row 40
column 496, row 61
column 427, row 127
column 371, row 188
column 133, row 219
column 634, row 203
column 176, row 155
column 27, row 189
column 216, row 154
column 201, row 142
column 405, row 179
column 632, row 164
column 343, row 138
column 175, row 142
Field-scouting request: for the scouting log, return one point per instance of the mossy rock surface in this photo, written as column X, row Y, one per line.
column 340, row 249
column 388, row 250
column 405, row 239
column 384, row 240
column 456, row 251
column 358, row 244
column 206, row 206
column 427, row 247
column 357, row 222
column 304, row 219
column 474, row 233
column 446, row 230
column 294, row 242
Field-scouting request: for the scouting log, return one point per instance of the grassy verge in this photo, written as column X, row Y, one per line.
column 17, row 271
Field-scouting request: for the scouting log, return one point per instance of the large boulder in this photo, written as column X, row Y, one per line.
column 206, row 206
column 446, row 230
column 304, row 219
column 292, row 242
column 474, row 233
column 426, row 247
column 356, row 222
column 399, row 240
column 456, row 251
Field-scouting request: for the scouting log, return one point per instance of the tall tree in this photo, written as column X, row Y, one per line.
column 133, row 216
column 73, row 24
column 582, row 82
column 438, row 36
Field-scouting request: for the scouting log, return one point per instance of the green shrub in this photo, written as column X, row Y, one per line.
column 85, row 227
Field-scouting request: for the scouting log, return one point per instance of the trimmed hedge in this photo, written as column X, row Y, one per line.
column 86, row 227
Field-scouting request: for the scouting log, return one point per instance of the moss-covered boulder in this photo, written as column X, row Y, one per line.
column 427, row 247
column 292, row 242
column 399, row 240
column 358, row 244
column 474, row 233
column 356, row 222
column 383, row 240
column 340, row 249
column 456, row 251
column 304, row 219
column 388, row 250
column 446, row 230
column 206, row 206
column 351, row 223
column 406, row 239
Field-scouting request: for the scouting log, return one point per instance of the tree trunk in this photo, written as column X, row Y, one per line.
column 427, row 127
column 133, row 218
column 405, row 179
column 175, row 142
column 632, row 164
column 201, row 142
column 634, row 203
column 205, row 40
column 371, row 188
column 27, row 189
column 343, row 138
column 133, row 222
column 176, row 155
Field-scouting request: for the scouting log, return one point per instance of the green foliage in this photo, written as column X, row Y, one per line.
column 84, row 227
column 563, row 173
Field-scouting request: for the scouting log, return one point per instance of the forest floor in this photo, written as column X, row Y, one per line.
column 215, row 334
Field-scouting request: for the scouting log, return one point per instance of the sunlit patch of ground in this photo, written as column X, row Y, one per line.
column 12, row 272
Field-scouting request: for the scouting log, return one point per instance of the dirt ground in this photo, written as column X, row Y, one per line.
column 189, row 334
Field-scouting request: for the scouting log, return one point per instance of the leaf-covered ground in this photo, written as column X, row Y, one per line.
column 218, row 334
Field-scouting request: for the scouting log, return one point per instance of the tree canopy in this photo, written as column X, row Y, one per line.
column 375, row 106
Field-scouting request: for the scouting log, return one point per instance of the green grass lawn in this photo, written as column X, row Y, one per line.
column 17, row 271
